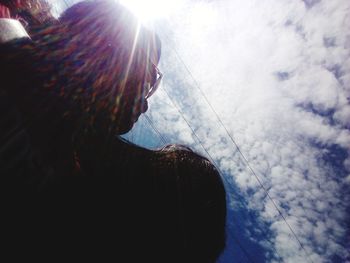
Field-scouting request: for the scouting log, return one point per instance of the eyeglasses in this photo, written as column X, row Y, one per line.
column 150, row 86
column 153, row 85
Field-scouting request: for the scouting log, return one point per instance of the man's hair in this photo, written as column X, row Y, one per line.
column 103, row 55
column 113, row 23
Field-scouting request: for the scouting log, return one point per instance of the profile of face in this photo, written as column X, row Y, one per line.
column 131, row 106
column 115, row 59
column 133, row 101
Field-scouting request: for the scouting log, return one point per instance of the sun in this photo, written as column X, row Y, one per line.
column 149, row 10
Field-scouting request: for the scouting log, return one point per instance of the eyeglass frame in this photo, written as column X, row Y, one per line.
column 153, row 87
column 156, row 84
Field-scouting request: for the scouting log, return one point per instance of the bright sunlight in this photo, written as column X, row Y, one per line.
column 152, row 9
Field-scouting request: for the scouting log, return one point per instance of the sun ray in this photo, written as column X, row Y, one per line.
column 152, row 9
column 123, row 83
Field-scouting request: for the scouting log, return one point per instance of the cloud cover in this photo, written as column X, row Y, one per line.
column 277, row 73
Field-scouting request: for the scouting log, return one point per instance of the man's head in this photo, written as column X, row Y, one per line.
column 112, row 61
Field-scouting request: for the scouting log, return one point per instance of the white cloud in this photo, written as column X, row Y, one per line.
column 277, row 73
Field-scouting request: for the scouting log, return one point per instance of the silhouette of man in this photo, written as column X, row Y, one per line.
column 90, row 73
column 68, row 181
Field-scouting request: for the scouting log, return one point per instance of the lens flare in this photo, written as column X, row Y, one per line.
column 152, row 9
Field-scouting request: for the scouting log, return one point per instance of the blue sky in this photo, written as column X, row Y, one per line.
column 277, row 73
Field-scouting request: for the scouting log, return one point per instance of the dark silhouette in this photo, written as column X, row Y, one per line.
column 67, row 181
column 90, row 73
column 155, row 206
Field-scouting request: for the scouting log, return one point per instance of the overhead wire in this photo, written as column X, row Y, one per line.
column 65, row 2
column 151, row 124
column 245, row 252
column 239, row 150
column 188, row 124
column 208, row 154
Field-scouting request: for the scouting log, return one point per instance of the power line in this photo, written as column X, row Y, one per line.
column 155, row 129
column 239, row 151
column 212, row 160
column 188, row 124
column 65, row 2
column 245, row 252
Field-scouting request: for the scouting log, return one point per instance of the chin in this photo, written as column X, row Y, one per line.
column 123, row 130
column 126, row 123
column 125, row 127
